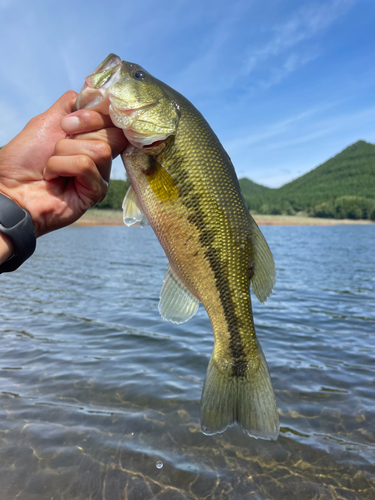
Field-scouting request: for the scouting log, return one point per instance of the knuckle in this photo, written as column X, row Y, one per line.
column 60, row 147
column 84, row 114
column 88, row 118
column 35, row 121
column 97, row 192
column 86, row 164
column 103, row 191
column 117, row 141
column 103, row 149
column 70, row 94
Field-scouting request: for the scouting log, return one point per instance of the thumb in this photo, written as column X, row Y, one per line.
column 64, row 105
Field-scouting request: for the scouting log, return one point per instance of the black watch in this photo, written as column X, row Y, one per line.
column 16, row 223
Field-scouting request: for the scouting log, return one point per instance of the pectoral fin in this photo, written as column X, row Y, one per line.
column 161, row 182
column 177, row 303
column 264, row 272
column 132, row 210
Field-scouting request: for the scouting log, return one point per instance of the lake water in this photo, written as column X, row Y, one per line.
column 100, row 397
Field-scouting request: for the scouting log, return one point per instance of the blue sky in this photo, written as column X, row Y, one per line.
column 285, row 84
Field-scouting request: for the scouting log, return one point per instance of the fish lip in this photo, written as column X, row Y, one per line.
column 128, row 111
column 87, row 99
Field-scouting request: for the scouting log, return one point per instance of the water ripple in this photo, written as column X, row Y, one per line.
column 96, row 389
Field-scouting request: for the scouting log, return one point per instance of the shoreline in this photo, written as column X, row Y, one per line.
column 102, row 217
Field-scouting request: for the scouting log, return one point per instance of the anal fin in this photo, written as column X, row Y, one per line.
column 177, row 304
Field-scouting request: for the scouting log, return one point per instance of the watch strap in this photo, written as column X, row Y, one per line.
column 16, row 223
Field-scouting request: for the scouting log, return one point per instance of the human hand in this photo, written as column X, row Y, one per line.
column 59, row 165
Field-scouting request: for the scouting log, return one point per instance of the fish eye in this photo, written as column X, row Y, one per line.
column 139, row 75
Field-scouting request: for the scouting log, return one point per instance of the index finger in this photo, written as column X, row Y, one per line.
column 85, row 120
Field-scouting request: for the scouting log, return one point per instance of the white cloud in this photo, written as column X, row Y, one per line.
column 304, row 24
column 329, row 126
column 278, row 128
column 288, row 149
column 202, row 73
column 287, row 47
column 292, row 63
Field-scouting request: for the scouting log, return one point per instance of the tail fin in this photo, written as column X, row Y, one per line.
column 247, row 399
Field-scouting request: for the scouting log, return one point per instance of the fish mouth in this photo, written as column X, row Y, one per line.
column 89, row 99
column 127, row 111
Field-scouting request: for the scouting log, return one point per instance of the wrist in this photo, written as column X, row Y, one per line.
column 18, row 239
column 6, row 248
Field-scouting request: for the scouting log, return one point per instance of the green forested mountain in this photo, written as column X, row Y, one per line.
column 343, row 186
column 250, row 188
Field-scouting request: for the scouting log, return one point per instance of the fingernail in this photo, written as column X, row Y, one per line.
column 70, row 123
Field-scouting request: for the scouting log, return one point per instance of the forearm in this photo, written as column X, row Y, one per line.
column 6, row 248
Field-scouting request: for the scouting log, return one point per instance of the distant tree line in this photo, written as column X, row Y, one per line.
column 347, row 207
column 342, row 207
column 116, row 193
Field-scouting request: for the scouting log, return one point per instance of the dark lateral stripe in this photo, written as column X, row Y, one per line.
column 206, row 238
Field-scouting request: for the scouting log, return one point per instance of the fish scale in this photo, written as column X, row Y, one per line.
column 184, row 183
column 207, row 151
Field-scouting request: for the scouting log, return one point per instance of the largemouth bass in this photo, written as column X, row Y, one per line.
column 184, row 185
